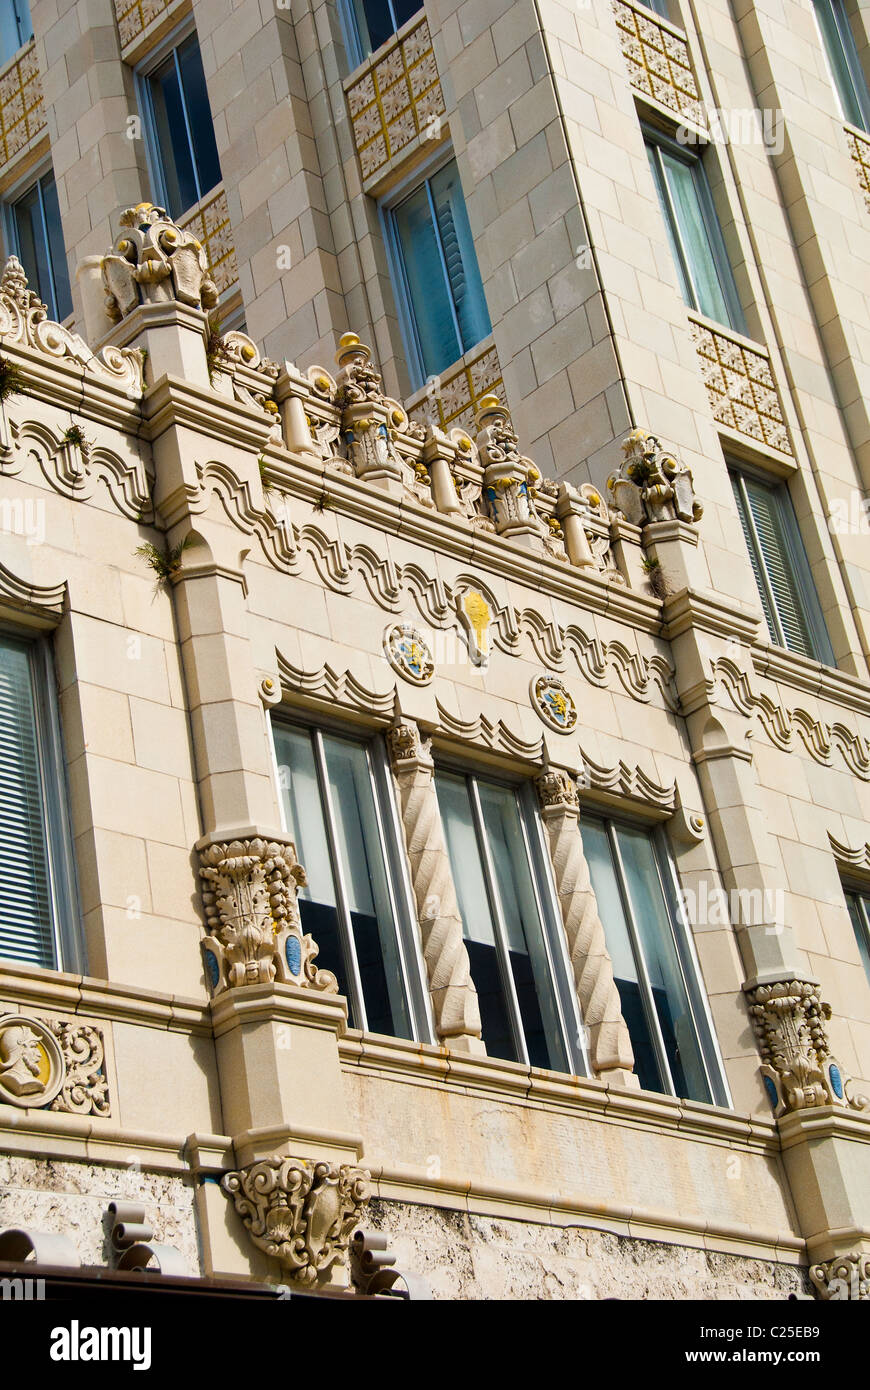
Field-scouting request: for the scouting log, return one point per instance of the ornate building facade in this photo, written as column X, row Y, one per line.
column 434, row 762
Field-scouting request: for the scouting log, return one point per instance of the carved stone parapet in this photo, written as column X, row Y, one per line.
column 298, row 1212
column 798, row 1068
column 155, row 261
column 454, row 998
column 845, row 1278
column 610, row 1051
column 255, row 936
column 652, row 485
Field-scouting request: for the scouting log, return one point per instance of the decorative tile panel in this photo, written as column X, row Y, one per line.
column 21, row 111
column 210, row 224
column 859, row 148
column 740, row 386
column 395, row 100
column 452, row 400
column 134, row 16
column 658, row 60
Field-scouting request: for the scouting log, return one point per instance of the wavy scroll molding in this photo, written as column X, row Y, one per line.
column 74, row 469
column 781, row 724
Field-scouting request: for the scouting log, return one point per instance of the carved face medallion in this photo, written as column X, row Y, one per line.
column 407, row 652
column 554, row 703
column 31, row 1063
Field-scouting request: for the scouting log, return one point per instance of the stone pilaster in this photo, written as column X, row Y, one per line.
column 454, row 998
column 610, row 1052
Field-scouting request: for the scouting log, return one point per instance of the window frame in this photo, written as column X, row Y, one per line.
column 13, row 195
column 659, row 141
column 798, row 561
column 861, row 896
column 64, row 901
column 20, row 29
column 546, row 900
column 359, row 46
column 143, row 73
column 684, row 946
column 399, row 889
column 419, row 175
column 851, row 60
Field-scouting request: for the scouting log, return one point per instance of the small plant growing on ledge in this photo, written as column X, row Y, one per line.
column 216, row 355
column 656, row 576
column 164, row 563
column 75, row 436
column 11, row 379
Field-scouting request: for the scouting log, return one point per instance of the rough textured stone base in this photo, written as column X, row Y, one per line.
column 468, row 1257
column 71, row 1199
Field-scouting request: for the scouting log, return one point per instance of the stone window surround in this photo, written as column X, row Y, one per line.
column 452, row 754
column 174, row 13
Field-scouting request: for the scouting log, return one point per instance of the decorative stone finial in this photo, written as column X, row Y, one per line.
column 255, row 934
column 798, row 1069
column 651, row 485
column 508, row 478
column 298, row 1212
column 155, row 261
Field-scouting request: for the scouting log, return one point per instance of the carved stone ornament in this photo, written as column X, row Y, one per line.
column 845, row 1278
column 507, row 476
column 298, row 1212
column 155, row 261
column 652, row 485
column 554, row 703
column 255, row 934
column 408, row 653
column 798, row 1069
column 475, row 615
column 85, row 1088
column 32, row 1068
column 371, row 422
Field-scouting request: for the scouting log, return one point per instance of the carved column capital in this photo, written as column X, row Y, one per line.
column 846, row 1277
column 249, row 889
column 610, row 1051
column 798, row 1068
column 299, row 1212
column 454, row 998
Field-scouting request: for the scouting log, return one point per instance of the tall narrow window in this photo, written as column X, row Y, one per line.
column 703, row 270
column 844, row 65
column 15, row 27
column 779, row 563
column 35, row 869
column 182, row 145
column 658, row 990
column 439, row 280
column 372, row 22
column 336, row 816
column 505, row 936
column 859, row 911
column 36, row 238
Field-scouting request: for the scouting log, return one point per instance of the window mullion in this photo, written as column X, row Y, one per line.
column 677, row 230
column 182, row 95
column 47, row 248
column 762, row 562
column 498, row 922
column 645, row 983
column 342, row 902
column 442, row 257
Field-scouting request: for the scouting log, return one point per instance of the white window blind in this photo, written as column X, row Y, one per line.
column 26, row 918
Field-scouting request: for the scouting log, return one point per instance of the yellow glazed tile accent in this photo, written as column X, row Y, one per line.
column 394, row 99
column 21, row 111
column 458, row 390
column 740, row 386
column 210, row 224
column 859, row 147
column 658, row 60
column 133, row 18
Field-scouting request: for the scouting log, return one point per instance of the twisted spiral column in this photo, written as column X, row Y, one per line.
column 454, row 998
column 610, row 1051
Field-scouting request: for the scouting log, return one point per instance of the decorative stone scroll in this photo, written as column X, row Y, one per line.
column 651, row 485
column 798, row 1068
column 155, row 261
column 454, row 998
column 610, row 1051
column 255, row 934
column 300, row 1213
column 50, row 1063
column 846, row 1277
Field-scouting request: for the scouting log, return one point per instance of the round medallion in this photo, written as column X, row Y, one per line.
column 32, row 1068
column 407, row 652
column 554, row 703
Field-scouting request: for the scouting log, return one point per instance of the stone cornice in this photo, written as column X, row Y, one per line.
column 172, row 401
column 707, row 612
column 825, row 681
column 50, row 989
column 65, row 382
